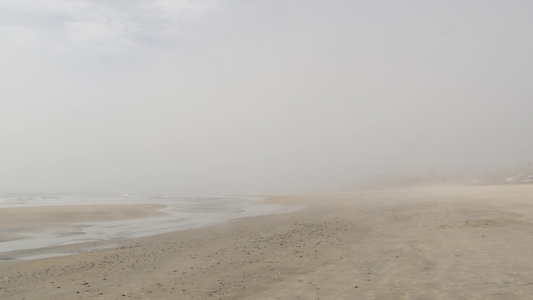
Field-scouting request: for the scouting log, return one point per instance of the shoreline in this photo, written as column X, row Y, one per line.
column 20, row 226
column 437, row 243
column 35, row 231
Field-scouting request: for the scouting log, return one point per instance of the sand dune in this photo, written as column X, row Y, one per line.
column 430, row 243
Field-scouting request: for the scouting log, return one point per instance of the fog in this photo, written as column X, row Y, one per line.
column 267, row 96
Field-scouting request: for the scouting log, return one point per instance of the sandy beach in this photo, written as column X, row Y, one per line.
column 14, row 219
column 425, row 243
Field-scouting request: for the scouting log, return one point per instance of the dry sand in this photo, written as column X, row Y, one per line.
column 431, row 243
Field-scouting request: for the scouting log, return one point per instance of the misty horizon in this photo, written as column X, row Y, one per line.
column 233, row 96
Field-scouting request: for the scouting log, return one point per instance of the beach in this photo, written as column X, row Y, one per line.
column 436, row 242
column 36, row 226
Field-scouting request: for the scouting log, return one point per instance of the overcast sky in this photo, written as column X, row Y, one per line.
column 138, row 95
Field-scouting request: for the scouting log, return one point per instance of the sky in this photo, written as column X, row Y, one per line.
column 268, row 96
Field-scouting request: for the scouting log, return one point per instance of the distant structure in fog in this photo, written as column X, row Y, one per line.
column 517, row 175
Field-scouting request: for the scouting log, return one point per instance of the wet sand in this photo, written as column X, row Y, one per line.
column 428, row 243
column 28, row 228
column 15, row 218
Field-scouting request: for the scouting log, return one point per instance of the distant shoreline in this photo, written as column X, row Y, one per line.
column 55, row 228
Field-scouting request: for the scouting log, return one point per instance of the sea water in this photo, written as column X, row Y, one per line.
column 181, row 212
